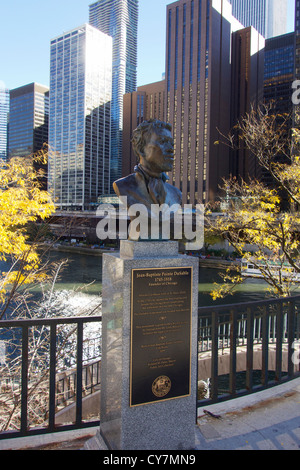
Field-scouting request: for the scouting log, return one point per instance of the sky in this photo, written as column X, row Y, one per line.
column 27, row 27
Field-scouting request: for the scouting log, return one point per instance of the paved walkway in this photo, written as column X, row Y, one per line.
column 268, row 420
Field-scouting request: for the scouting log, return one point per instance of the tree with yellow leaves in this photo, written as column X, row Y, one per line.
column 22, row 200
column 261, row 222
column 22, row 203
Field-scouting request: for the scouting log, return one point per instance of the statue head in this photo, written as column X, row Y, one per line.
column 153, row 144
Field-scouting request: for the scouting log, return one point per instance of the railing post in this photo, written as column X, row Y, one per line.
column 79, row 373
column 214, row 356
column 291, row 337
column 52, row 378
column 265, row 344
column 233, row 341
column 249, row 360
column 279, row 335
column 24, row 389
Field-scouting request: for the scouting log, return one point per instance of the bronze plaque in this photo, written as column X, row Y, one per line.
column 161, row 316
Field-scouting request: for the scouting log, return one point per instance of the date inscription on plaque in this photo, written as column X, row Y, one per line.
column 161, row 315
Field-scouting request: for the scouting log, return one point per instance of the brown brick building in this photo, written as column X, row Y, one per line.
column 148, row 102
column 214, row 72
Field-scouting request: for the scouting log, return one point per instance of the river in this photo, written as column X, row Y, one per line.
column 80, row 283
column 83, row 274
column 85, row 269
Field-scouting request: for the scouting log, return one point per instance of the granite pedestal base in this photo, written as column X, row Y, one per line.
column 134, row 416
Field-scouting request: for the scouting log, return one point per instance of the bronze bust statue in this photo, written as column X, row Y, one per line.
column 153, row 144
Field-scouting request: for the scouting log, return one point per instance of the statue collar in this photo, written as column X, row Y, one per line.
column 140, row 169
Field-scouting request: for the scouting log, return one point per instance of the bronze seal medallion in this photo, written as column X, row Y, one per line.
column 161, row 386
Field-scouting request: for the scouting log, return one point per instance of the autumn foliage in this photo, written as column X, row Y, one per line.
column 261, row 221
column 22, row 200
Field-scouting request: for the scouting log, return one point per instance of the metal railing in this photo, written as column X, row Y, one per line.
column 238, row 329
column 67, row 380
column 221, row 330
column 53, row 383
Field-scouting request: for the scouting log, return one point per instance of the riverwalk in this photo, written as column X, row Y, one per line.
column 267, row 420
column 204, row 262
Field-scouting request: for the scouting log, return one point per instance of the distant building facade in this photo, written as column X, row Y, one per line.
column 297, row 39
column 4, row 113
column 80, row 112
column 28, row 119
column 278, row 79
column 296, row 107
column 279, row 71
column 119, row 19
column 247, row 78
column 199, row 91
column 148, row 102
column 268, row 17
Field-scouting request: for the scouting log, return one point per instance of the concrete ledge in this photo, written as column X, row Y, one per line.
column 32, row 442
column 204, row 360
column 90, row 407
column 144, row 249
column 251, row 400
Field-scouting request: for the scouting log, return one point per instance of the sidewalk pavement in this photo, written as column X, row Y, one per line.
column 267, row 420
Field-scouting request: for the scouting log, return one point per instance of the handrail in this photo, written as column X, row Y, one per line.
column 24, row 325
column 253, row 303
column 224, row 327
column 28, row 322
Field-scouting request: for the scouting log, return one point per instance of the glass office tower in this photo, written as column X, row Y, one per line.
column 268, row 17
column 4, row 111
column 28, row 119
column 212, row 75
column 297, row 40
column 119, row 19
column 279, row 71
column 79, row 124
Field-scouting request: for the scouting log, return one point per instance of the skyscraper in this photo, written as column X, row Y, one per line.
column 4, row 111
column 278, row 79
column 28, row 119
column 79, row 126
column 119, row 19
column 279, row 71
column 247, row 76
column 148, row 102
column 269, row 17
column 200, row 90
column 296, row 106
column 297, row 40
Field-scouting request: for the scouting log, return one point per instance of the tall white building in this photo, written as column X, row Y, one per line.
column 269, row 17
column 79, row 121
column 119, row 19
column 4, row 112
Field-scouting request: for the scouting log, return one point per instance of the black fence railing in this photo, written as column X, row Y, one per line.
column 265, row 332
column 66, row 382
column 264, row 328
column 20, row 386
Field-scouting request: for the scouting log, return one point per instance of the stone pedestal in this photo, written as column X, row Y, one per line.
column 149, row 348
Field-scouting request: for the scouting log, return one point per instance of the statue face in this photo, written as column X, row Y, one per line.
column 159, row 152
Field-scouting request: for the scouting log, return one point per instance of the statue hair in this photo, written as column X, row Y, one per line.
column 143, row 132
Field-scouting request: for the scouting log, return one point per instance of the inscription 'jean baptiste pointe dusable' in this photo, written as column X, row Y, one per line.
column 161, row 310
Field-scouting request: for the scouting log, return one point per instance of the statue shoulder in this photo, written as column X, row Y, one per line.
column 175, row 192
column 123, row 185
